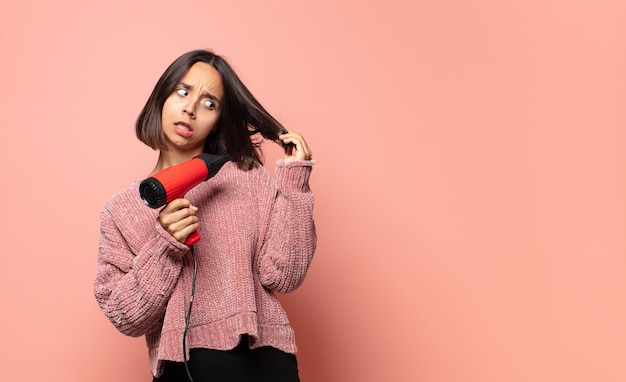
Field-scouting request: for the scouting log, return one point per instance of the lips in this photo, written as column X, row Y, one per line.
column 183, row 129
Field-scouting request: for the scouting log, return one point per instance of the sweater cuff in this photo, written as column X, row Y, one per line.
column 293, row 177
column 171, row 246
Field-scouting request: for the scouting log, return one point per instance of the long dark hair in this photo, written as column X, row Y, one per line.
column 241, row 121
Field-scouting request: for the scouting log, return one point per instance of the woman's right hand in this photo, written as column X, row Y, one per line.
column 179, row 219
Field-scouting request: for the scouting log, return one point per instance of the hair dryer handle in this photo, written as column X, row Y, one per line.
column 193, row 238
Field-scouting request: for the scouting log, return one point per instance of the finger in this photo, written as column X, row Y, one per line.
column 177, row 215
column 167, row 218
column 302, row 150
column 176, row 204
column 183, row 233
column 181, row 229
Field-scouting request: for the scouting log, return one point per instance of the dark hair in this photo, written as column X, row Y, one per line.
column 242, row 117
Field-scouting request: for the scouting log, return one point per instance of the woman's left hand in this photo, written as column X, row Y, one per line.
column 298, row 150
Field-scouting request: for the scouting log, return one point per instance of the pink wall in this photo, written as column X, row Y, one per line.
column 470, row 180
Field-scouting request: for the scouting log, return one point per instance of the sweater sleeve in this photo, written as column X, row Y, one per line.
column 138, row 267
column 288, row 237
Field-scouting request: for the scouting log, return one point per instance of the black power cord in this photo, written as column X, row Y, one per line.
column 188, row 317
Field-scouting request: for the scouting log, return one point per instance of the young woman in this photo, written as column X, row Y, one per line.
column 257, row 235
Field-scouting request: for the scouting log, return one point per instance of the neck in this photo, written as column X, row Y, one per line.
column 172, row 158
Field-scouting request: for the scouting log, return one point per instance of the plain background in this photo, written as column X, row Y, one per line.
column 470, row 184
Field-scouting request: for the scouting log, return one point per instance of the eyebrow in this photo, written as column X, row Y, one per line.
column 209, row 95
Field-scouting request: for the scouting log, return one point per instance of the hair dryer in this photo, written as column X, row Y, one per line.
column 174, row 182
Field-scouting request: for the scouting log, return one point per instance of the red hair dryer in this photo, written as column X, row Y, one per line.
column 174, row 182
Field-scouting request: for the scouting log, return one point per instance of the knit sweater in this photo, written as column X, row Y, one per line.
column 257, row 238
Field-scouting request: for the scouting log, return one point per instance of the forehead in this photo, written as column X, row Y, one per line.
column 204, row 78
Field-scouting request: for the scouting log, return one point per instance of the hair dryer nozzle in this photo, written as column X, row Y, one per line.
column 153, row 193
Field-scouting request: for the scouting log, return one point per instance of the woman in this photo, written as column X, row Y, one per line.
column 257, row 235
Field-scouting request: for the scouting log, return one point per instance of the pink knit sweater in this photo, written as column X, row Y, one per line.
column 257, row 238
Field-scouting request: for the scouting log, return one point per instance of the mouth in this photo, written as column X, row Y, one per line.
column 183, row 129
column 183, row 125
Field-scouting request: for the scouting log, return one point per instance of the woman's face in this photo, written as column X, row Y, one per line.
column 191, row 112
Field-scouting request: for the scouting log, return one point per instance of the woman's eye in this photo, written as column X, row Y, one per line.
column 182, row 92
column 209, row 104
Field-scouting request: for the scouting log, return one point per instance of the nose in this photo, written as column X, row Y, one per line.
column 190, row 109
